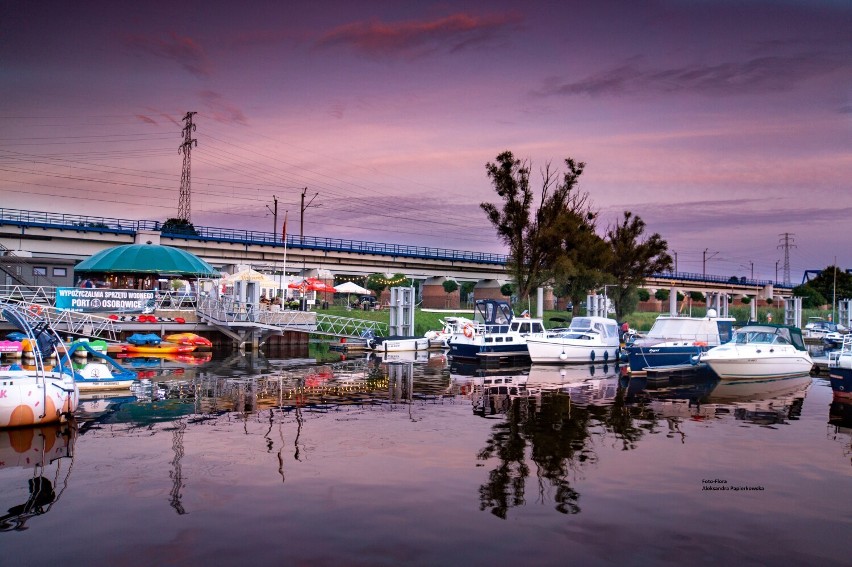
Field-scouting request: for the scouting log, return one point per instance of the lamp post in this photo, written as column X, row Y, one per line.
column 704, row 259
column 274, row 218
column 302, row 215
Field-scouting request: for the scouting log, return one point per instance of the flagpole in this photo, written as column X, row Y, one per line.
column 284, row 271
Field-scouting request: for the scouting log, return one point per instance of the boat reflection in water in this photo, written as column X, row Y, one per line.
column 703, row 396
column 43, row 456
column 553, row 422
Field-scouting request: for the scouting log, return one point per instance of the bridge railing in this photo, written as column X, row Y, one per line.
column 24, row 218
column 732, row 280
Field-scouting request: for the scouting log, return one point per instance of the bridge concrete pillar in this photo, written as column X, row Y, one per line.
column 435, row 297
column 488, row 289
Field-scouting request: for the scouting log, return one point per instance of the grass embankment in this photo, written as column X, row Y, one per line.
column 641, row 321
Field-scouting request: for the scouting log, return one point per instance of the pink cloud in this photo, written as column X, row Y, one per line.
column 146, row 119
column 183, row 50
column 222, row 110
column 750, row 75
column 452, row 33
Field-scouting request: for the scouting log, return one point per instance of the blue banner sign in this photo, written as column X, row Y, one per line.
column 101, row 299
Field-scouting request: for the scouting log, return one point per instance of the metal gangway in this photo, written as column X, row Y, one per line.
column 64, row 321
column 233, row 314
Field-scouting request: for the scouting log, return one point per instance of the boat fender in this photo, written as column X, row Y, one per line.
column 563, row 356
column 592, row 356
column 606, row 356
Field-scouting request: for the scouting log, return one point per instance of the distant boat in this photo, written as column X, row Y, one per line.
column 760, row 351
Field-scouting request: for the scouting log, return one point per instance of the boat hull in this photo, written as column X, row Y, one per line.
column 402, row 345
column 27, row 399
column 644, row 358
column 476, row 350
column 554, row 350
column 752, row 367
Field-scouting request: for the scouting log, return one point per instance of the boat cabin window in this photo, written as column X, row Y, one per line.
column 495, row 313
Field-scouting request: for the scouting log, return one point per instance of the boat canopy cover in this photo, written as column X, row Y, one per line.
column 46, row 340
column 146, row 259
column 769, row 334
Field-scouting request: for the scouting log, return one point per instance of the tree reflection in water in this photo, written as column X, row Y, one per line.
column 556, row 433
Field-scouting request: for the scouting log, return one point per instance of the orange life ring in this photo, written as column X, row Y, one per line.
column 35, row 310
column 468, row 330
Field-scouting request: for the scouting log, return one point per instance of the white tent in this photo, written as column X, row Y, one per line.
column 351, row 287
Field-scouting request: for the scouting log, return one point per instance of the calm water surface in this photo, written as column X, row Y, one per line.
column 256, row 461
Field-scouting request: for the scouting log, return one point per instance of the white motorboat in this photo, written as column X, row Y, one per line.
column 36, row 395
column 587, row 339
column 759, row 351
column 397, row 344
column 441, row 338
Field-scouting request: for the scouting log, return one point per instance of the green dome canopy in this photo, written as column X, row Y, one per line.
column 146, row 259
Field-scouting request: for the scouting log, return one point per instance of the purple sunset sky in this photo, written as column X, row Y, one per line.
column 723, row 124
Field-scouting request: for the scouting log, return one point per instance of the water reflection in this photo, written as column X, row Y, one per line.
column 549, row 422
column 551, row 419
column 45, row 454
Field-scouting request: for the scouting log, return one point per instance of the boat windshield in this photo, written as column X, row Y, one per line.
column 580, row 324
column 761, row 335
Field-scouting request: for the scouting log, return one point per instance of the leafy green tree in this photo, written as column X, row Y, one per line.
column 696, row 296
column 745, row 300
column 376, row 283
column 633, row 259
column 178, row 226
column 832, row 283
column 467, row 288
column 811, row 298
column 536, row 239
column 506, row 290
column 450, row 286
column 644, row 294
column 661, row 294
